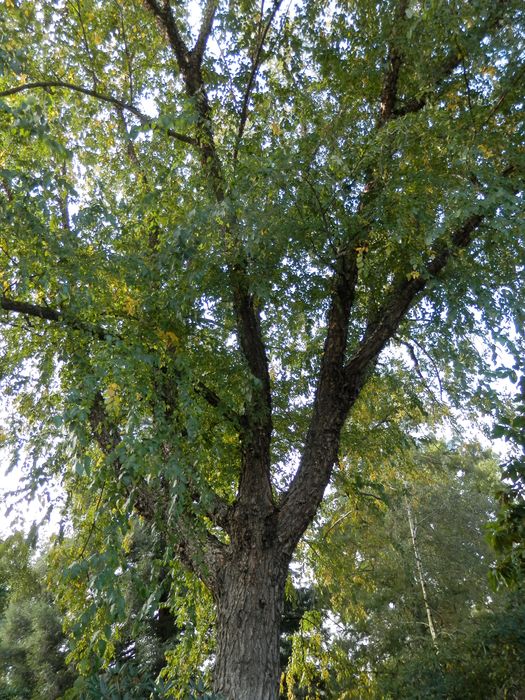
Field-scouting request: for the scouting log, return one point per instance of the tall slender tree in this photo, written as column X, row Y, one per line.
column 214, row 220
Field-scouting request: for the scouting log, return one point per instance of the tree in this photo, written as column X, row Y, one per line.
column 402, row 588
column 214, row 222
column 33, row 646
column 507, row 530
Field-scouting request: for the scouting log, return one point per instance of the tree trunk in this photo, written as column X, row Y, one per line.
column 420, row 574
column 249, row 609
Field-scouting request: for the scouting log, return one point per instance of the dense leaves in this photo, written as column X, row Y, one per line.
column 33, row 647
column 402, row 588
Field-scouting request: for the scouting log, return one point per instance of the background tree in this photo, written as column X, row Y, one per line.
column 404, row 604
column 507, row 532
column 33, row 647
column 214, row 221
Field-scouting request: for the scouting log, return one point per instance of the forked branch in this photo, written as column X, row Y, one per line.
column 322, row 442
column 208, row 16
column 453, row 60
column 256, row 425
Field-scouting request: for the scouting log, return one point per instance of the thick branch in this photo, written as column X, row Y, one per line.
column 254, row 485
column 102, row 97
column 330, row 409
column 453, row 60
column 250, row 331
column 346, row 272
column 23, row 307
column 331, row 405
column 394, row 60
column 205, row 31
column 189, row 61
column 162, row 10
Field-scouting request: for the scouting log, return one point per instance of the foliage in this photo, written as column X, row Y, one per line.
column 32, row 644
column 116, row 613
column 372, row 639
column 240, row 245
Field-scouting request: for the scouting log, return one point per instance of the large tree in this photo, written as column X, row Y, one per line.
column 214, row 220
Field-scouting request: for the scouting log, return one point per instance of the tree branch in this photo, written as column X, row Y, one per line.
column 394, row 60
column 346, row 273
column 256, row 64
column 103, row 97
column 383, row 328
column 329, row 413
column 215, row 401
column 162, row 10
column 331, row 404
column 417, row 367
column 205, row 31
column 48, row 313
column 254, row 485
column 339, row 387
column 453, row 60
column 104, row 431
column 107, row 436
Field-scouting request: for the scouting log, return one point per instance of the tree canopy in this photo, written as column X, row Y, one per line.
column 236, row 240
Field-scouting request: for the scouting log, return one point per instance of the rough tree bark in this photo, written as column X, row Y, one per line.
column 249, row 610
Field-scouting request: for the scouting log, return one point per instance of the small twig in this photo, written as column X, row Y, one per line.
column 86, row 45
column 434, row 364
column 467, row 88
column 129, row 57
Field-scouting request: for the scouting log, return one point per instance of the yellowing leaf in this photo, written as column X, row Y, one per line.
column 130, row 305
column 113, row 397
column 484, row 150
column 169, row 338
